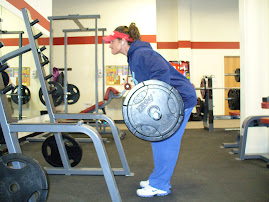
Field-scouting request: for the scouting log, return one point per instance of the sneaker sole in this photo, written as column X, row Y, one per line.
column 152, row 195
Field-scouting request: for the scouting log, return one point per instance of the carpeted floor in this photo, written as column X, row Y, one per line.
column 205, row 172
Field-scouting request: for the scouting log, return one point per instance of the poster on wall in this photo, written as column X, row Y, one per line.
column 182, row 66
column 13, row 73
column 116, row 74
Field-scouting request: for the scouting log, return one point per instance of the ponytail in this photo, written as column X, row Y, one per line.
column 132, row 31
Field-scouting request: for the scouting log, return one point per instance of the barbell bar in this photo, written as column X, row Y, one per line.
column 230, row 74
column 225, row 88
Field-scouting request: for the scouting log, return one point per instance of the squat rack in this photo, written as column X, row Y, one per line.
column 76, row 19
column 82, row 29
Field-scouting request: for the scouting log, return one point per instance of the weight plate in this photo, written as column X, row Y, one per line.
column 237, row 77
column 20, row 183
column 57, row 94
column 2, row 139
column 234, row 103
column 25, row 95
column 73, row 94
column 5, row 77
column 153, row 110
column 51, row 153
column 203, row 91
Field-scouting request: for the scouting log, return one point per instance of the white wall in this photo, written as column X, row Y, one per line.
column 200, row 21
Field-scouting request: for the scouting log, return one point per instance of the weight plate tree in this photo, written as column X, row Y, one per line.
column 153, row 110
column 51, row 153
column 19, row 184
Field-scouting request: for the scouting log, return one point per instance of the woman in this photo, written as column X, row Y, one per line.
column 145, row 64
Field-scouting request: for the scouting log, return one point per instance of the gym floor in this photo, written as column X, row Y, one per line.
column 205, row 171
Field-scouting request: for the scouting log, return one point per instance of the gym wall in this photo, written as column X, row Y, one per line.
column 175, row 28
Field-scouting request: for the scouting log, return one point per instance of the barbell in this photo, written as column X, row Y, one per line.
column 57, row 92
column 153, row 110
column 233, row 93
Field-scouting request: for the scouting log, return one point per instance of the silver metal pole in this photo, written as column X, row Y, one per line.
column 65, row 72
column 103, row 57
column 20, row 79
column 51, row 46
column 96, row 67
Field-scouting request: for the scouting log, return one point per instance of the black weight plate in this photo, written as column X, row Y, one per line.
column 73, row 95
column 57, row 95
column 237, row 77
column 51, row 153
column 153, row 110
column 234, row 103
column 5, row 77
column 25, row 95
column 20, row 183
column 2, row 139
column 203, row 91
column 199, row 106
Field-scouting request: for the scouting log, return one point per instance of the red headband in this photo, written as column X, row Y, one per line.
column 115, row 35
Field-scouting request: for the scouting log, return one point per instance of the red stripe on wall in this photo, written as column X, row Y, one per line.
column 19, row 4
column 198, row 45
column 160, row 45
column 215, row 45
column 167, row 45
column 184, row 44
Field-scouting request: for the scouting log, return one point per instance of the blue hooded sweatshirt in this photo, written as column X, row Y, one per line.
column 146, row 64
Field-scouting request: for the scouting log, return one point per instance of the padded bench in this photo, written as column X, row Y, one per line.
column 109, row 95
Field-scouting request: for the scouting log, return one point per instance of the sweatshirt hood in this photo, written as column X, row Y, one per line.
column 138, row 44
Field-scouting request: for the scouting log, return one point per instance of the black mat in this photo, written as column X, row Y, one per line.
column 204, row 172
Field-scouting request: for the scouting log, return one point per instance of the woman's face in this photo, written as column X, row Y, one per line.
column 116, row 46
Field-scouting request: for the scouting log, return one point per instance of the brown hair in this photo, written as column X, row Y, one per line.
column 132, row 31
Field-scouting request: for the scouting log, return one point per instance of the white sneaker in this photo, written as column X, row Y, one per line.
column 149, row 191
column 144, row 183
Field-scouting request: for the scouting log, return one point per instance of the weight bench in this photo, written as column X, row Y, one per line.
column 257, row 121
column 110, row 94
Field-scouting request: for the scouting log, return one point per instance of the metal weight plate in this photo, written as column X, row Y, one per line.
column 234, row 103
column 57, row 95
column 25, row 95
column 203, row 91
column 2, row 139
column 237, row 77
column 51, row 153
column 153, row 110
column 19, row 183
column 5, row 77
column 73, row 94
